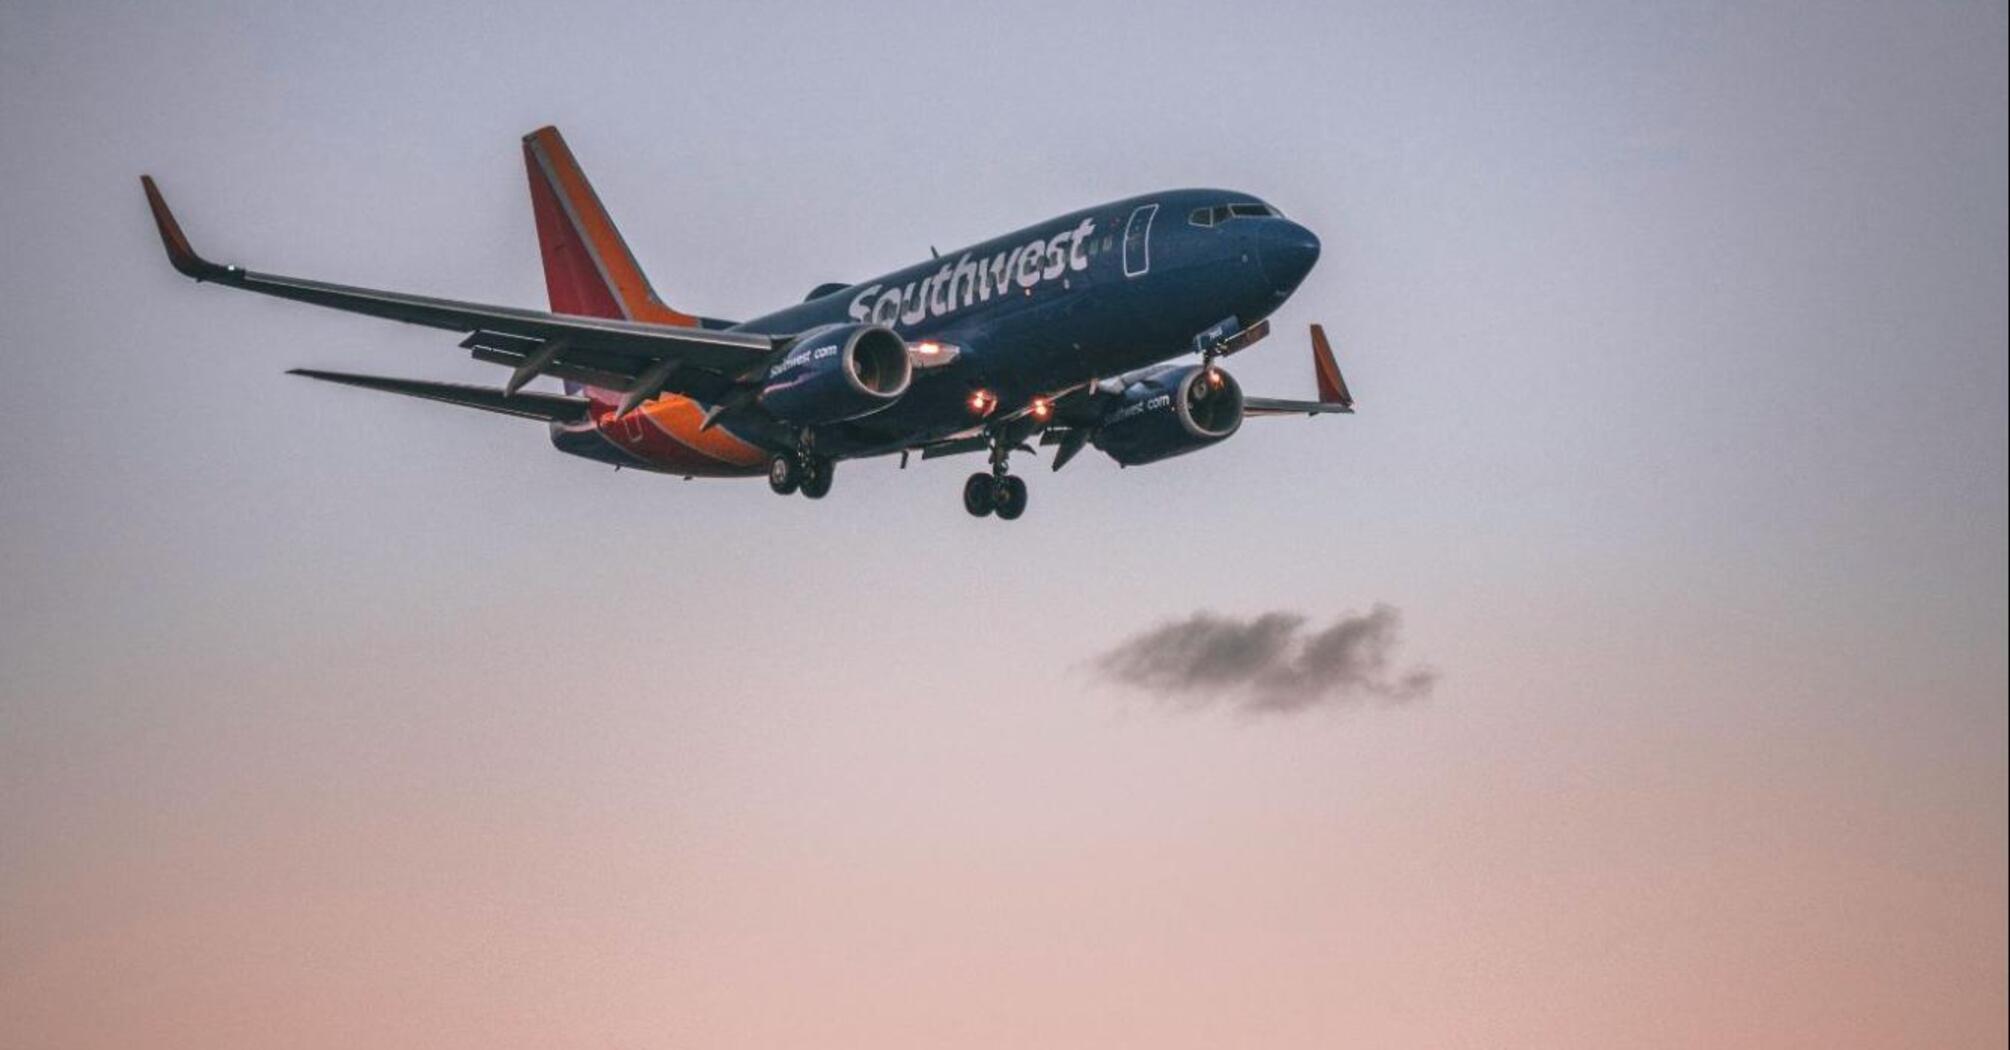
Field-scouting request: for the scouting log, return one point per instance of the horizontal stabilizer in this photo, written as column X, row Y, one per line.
column 552, row 408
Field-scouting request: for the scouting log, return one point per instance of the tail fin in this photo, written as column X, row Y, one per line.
column 588, row 269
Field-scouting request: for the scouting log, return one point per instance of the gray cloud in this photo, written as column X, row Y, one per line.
column 1268, row 663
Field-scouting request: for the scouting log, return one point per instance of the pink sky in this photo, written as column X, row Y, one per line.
column 333, row 720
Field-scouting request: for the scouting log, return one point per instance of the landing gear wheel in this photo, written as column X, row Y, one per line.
column 1010, row 497
column 978, row 496
column 816, row 480
column 784, row 474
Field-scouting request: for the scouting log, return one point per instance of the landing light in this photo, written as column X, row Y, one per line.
column 1043, row 409
column 930, row 354
column 981, row 402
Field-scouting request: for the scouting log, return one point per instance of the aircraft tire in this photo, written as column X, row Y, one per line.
column 978, row 495
column 1011, row 497
column 816, row 481
column 784, row 474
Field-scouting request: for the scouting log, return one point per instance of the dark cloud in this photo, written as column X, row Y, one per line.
column 1268, row 663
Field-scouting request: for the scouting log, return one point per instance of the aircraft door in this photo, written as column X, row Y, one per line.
column 1138, row 240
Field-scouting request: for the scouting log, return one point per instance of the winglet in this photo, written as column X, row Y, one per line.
column 1332, row 385
column 179, row 253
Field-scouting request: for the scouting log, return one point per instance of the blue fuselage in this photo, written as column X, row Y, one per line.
column 1091, row 294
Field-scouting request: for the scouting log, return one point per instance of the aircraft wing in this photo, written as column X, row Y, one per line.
column 1333, row 393
column 618, row 355
column 1277, row 406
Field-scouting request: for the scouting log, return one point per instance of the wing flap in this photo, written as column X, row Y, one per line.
column 955, row 446
column 592, row 367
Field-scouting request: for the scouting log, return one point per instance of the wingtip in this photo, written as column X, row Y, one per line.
column 1332, row 385
column 322, row 375
column 179, row 253
column 547, row 132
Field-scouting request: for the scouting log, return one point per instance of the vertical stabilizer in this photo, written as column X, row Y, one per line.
column 588, row 269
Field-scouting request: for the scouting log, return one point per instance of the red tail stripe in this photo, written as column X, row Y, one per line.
column 1332, row 387
column 595, row 248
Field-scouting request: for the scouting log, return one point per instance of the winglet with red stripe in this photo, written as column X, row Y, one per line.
column 588, row 269
column 1332, row 385
column 180, row 255
column 1333, row 393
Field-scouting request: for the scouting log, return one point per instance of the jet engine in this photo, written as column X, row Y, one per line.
column 837, row 372
column 1169, row 412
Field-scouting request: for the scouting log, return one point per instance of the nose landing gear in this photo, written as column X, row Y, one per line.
column 1010, row 495
column 978, row 498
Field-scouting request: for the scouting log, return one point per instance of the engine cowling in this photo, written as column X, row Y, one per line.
column 837, row 372
column 1170, row 413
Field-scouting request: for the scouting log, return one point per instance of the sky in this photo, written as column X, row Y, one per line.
column 329, row 718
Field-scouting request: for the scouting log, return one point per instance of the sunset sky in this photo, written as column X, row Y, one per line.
column 334, row 719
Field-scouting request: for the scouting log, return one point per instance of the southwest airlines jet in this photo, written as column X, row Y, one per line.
column 1057, row 333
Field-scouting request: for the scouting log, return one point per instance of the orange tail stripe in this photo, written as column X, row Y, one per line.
column 609, row 252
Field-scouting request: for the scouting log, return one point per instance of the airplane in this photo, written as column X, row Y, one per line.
column 1060, row 332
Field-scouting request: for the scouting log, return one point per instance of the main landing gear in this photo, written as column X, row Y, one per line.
column 801, row 472
column 998, row 491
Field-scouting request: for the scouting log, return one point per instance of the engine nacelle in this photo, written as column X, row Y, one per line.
column 1169, row 413
column 837, row 372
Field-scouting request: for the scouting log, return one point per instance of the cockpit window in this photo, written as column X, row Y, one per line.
column 1221, row 213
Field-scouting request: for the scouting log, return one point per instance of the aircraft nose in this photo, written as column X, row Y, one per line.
column 1287, row 251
